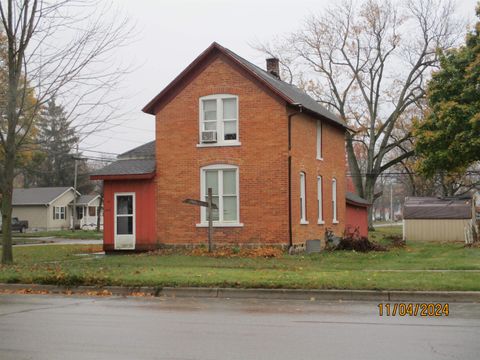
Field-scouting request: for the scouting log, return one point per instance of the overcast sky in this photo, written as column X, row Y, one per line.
column 171, row 33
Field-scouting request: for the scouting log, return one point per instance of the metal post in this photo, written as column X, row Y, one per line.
column 210, row 219
column 75, row 192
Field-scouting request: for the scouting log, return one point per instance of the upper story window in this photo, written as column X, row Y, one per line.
column 319, row 140
column 219, row 120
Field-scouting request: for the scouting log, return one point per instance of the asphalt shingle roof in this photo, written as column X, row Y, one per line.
column 289, row 90
column 141, row 152
column 85, row 199
column 437, row 208
column 356, row 199
column 37, row 196
column 127, row 167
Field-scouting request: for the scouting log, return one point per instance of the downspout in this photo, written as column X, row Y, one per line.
column 290, row 232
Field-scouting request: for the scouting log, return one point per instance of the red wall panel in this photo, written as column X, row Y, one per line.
column 144, row 211
column 357, row 216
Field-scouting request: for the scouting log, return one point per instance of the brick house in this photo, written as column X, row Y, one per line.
column 273, row 156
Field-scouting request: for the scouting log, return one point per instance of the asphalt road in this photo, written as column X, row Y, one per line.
column 56, row 327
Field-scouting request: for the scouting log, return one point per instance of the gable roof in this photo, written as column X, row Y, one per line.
column 139, row 161
column 85, row 199
column 141, row 152
column 437, row 208
column 38, row 196
column 289, row 93
column 127, row 167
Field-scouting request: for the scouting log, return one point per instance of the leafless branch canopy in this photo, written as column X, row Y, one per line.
column 369, row 63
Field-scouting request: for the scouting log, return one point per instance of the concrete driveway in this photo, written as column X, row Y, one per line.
column 56, row 327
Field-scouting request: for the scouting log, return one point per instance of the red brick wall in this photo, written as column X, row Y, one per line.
column 304, row 153
column 262, row 159
column 144, row 212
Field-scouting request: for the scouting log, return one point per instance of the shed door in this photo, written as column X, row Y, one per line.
column 125, row 221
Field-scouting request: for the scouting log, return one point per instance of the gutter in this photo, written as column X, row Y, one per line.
column 290, row 116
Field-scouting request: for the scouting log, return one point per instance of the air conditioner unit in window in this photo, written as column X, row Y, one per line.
column 209, row 136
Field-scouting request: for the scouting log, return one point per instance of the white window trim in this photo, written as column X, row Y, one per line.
column 319, row 140
column 134, row 220
column 334, row 201
column 303, row 196
column 59, row 212
column 320, row 220
column 220, row 124
column 203, row 210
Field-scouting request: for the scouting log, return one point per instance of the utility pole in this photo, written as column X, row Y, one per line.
column 75, row 191
column 391, row 203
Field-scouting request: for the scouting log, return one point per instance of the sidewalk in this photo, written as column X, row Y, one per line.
column 233, row 293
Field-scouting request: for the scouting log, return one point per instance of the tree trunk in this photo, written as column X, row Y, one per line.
column 370, row 197
column 7, row 190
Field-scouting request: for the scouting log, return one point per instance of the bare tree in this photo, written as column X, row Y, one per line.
column 370, row 64
column 59, row 49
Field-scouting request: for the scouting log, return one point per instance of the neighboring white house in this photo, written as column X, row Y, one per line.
column 87, row 211
column 50, row 208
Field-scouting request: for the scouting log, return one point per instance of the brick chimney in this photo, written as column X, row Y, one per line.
column 273, row 67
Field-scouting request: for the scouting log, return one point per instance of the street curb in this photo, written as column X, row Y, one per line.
column 234, row 293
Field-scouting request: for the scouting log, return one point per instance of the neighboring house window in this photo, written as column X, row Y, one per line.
column 59, row 213
column 223, row 179
column 320, row 200
column 319, row 140
column 79, row 212
column 303, row 206
column 334, row 200
column 92, row 211
column 219, row 114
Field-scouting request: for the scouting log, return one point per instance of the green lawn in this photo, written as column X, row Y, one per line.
column 64, row 234
column 61, row 264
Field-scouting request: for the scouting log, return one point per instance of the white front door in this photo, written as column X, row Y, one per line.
column 124, row 221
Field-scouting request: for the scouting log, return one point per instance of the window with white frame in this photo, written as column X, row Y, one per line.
column 319, row 140
column 59, row 212
column 219, row 114
column 223, row 179
column 303, row 206
column 320, row 200
column 334, row 200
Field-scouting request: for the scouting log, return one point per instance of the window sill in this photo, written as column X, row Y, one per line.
column 237, row 143
column 204, row 225
column 335, row 222
column 304, row 222
column 321, row 222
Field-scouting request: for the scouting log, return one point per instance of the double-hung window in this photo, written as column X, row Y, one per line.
column 334, row 200
column 59, row 213
column 303, row 205
column 319, row 140
column 223, row 180
column 219, row 120
column 320, row 200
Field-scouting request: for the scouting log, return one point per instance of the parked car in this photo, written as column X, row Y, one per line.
column 17, row 225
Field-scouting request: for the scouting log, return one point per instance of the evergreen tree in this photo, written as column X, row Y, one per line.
column 57, row 139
